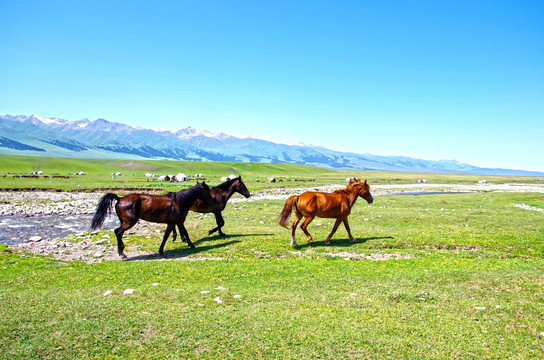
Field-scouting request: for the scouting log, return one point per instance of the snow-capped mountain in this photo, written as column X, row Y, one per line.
column 54, row 137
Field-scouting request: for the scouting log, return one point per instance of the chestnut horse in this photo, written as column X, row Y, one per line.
column 326, row 205
column 220, row 194
column 171, row 209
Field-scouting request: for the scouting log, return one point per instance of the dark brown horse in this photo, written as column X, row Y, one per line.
column 220, row 194
column 171, row 209
column 326, row 205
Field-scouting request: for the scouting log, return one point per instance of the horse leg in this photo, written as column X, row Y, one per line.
column 174, row 234
column 298, row 216
column 304, row 225
column 184, row 234
column 119, row 234
column 334, row 228
column 220, row 223
column 346, row 225
column 169, row 229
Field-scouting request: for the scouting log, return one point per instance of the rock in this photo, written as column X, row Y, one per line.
column 155, row 284
column 129, row 291
column 480, row 307
column 237, row 296
column 218, row 300
column 98, row 255
column 35, row 238
column 107, row 293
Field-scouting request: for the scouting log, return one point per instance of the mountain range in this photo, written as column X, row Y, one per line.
column 53, row 137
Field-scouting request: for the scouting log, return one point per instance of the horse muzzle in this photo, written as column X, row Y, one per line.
column 371, row 200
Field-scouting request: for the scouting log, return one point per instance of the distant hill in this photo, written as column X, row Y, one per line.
column 102, row 139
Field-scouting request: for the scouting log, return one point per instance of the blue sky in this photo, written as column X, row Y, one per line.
column 435, row 80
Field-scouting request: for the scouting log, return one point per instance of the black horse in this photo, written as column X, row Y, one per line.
column 220, row 195
column 171, row 209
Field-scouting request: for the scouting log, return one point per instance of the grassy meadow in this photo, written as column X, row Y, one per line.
column 449, row 276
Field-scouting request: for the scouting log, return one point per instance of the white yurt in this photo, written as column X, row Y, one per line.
column 181, row 177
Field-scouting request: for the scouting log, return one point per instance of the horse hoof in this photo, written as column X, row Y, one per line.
column 123, row 256
column 327, row 243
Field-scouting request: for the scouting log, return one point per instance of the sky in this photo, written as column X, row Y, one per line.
column 435, row 80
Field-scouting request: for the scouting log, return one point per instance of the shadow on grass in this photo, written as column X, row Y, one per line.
column 342, row 242
column 181, row 253
column 217, row 237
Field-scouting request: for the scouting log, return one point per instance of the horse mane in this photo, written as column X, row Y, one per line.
column 185, row 197
column 226, row 185
column 354, row 182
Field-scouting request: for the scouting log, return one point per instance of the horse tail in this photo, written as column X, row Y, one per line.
column 287, row 208
column 104, row 205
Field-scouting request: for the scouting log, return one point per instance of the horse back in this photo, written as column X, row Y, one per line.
column 312, row 203
column 161, row 209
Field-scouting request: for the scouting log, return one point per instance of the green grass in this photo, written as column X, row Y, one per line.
column 461, row 291
column 304, row 308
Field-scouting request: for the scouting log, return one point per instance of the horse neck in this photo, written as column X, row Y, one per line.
column 190, row 195
column 225, row 195
column 353, row 194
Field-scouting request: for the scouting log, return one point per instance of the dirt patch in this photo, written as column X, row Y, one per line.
column 372, row 257
column 528, row 207
column 347, row 255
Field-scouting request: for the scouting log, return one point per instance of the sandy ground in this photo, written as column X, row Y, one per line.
column 383, row 190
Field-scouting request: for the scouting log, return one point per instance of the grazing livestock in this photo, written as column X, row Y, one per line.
column 337, row 205
column 171, row 209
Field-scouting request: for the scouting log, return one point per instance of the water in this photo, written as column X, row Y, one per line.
column 16, row 229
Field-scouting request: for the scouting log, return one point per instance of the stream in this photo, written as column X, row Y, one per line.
column 16, row 229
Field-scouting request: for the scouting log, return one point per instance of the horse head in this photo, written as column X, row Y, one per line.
column 241, row 188
column 203, row 192
column 362, row 188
